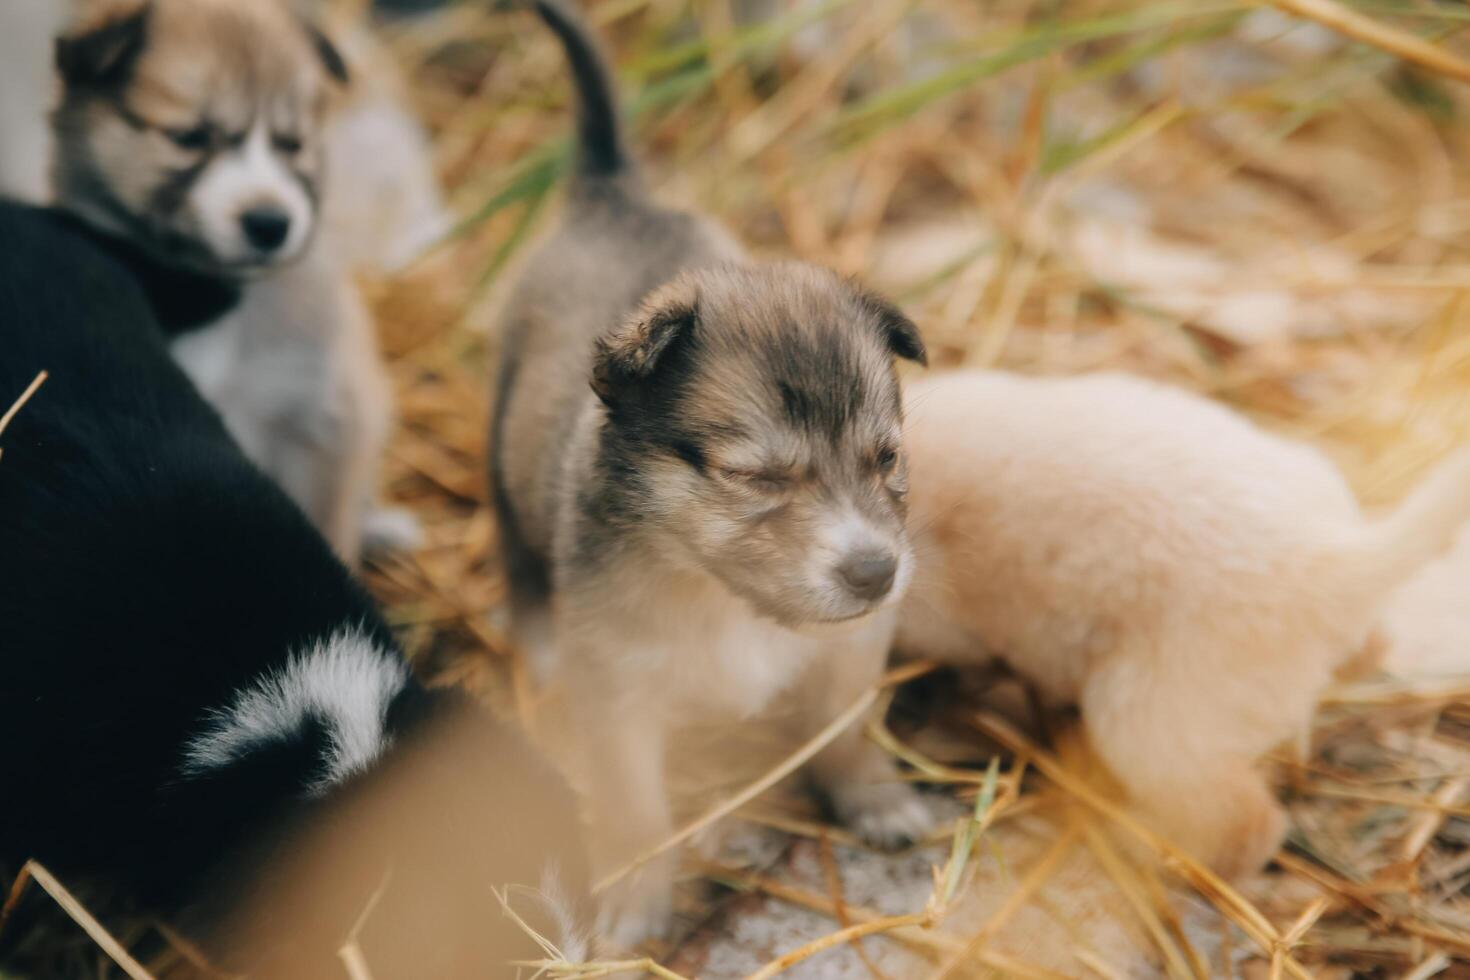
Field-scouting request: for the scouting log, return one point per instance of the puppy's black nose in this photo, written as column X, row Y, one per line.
column 869, row 574
column 266, row 228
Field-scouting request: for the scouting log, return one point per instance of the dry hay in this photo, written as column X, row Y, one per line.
column 1196, row 190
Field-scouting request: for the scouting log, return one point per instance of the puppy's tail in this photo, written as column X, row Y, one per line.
column 1421, row 527
column 602, row 150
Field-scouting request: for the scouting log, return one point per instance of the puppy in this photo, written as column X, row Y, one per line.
column 383, row 206
column 189, row 679
column 190, row 134
column 719, row 518
column 1187, row 579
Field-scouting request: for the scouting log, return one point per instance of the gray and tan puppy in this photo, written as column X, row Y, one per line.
column 191, row 135
column 718, row 519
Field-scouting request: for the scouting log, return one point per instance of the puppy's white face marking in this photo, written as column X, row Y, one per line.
column 839, row 534
column 202, row 138
column 346, row 682
column 251, row 209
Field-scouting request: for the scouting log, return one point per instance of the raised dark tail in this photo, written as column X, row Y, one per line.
column 601, row 148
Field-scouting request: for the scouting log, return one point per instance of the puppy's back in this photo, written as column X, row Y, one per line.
column 1110, row 445
column 149, row 573
column 614, row 246
column 1111, row 498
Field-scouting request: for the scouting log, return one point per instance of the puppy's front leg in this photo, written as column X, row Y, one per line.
column 624, row 757
column 861, row 781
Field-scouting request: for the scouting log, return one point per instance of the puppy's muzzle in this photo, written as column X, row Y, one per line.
column 266, row 228
column 868, row 575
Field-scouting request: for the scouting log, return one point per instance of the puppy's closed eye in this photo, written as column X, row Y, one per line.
column 287, row 143
column 195, row 139
column 762, row 481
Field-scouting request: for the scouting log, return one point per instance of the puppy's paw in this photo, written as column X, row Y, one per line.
column 886, row 815
column 638, row 908
column 391, row 530
column 1252, row 841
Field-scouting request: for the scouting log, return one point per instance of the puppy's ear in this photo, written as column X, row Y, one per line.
column 331, row 58
column 102, row 50
column 900, row 333
column 630, row 355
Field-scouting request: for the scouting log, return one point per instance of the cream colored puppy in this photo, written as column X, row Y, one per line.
column 1187, row 579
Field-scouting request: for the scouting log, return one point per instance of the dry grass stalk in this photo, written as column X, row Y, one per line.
column 1429, row 824
column 1399, row 43
column 1178, row 964
column 1034, row 879
column 833, row 878
column 1294, row 936
column 930, row 942
column 37, row 873
column 1433, row 965
column 20, row 402
column 804, row 754
column 556, row 965
column 192, row 954
column 946, row 881
column 1231, row 903
column 786, row 961
column 350, row 953
column 1097, row 965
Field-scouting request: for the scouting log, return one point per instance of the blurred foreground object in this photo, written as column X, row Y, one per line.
column 405, row 868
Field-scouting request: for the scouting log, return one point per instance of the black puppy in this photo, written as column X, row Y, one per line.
column 189, row 679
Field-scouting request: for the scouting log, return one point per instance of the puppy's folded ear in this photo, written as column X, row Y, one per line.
column 629, row 356
column 898, row 330
column 331, row 58
column 311, row 14
column 101, row 49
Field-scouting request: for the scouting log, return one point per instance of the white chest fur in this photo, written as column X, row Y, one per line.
column 210, row 355
column 703, row 649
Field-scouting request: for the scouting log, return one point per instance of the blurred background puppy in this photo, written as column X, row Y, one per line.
column 197, row 137
column 1190, row 581
column 382, row 204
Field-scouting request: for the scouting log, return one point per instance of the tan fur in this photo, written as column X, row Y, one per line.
column 1187, row 579
column 717, row 518
column 234, row 64
column 293, row 367
column 693, row 607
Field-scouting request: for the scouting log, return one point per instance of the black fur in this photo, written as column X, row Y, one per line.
column 901, row 332
column 602, row 151
column 105, row 56
column 148, row 572
column 630, row 358
column 181, row 300
column 331, row 58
